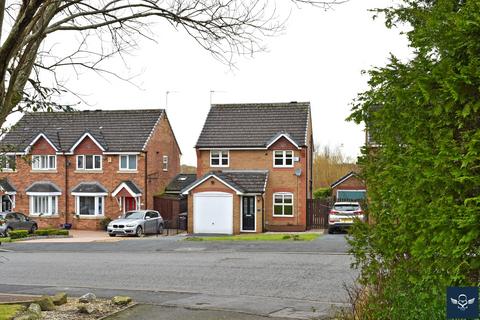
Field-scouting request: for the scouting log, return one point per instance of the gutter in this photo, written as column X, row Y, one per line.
column 146, row 180
column 66, row 188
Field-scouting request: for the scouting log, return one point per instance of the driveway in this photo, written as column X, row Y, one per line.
column 295, row 279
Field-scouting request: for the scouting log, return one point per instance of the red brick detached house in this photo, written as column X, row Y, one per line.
column 80, row 167
column 254, row 169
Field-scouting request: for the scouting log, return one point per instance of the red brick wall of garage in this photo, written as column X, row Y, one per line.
column 352, row 183
column 279, row 180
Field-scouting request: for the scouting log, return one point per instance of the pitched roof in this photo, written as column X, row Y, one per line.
column 129, row 185
column 254, row 125
column 179, row 182
column 6, row 185
column 43, row 186
column 114, row 130
column 344, row 178
column 243, row 181
column 89, row 187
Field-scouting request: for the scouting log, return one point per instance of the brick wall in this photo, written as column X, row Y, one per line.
column 352, row 183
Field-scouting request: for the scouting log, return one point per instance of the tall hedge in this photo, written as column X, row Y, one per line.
column 424, row 178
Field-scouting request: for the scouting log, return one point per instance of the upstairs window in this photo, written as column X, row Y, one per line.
column 7, row 162
column 165, row 163
column 283, row 159
column 89, row 162
column 41, row 162
column 219, row 158
column 128, row 162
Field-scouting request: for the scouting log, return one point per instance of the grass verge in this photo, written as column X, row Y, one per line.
column 259, row 237
column 8, row 311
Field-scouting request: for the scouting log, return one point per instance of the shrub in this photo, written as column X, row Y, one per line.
column 104, row 223
column 321, row 193
column 51, row 232
column 18, row 234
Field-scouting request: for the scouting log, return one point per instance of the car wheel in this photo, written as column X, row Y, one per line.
column 139, row 232
column 33, row 229
column 160, row 229
column 7, row 232
column 112, row 234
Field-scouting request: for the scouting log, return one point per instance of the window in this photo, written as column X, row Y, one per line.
column 218, row 158
column 282, row 204
column 128, row 162
column 90, row 206
column 283, row 158
column 43, row 205
column 165, row 163
column 89, row 162
column 44, row 162
column 7, row 162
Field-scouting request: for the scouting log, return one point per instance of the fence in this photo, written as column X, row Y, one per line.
column 170, row 208
column 317, row 213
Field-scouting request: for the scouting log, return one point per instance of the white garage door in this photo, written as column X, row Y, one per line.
column 213, row 212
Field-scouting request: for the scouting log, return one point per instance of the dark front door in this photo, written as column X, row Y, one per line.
column 248, row 213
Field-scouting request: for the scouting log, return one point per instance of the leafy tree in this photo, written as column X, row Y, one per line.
column 423, row 178
column 29, row 64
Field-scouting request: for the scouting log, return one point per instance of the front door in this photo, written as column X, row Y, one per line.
column 6, row 204
column 248, row 213
column 130, row 204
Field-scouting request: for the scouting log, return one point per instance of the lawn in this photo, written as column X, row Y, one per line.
column 8, row 311
column 259, row 237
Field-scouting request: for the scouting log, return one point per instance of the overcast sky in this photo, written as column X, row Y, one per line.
column 319, row 58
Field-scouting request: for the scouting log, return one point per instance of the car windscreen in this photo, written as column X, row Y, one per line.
column 134, row 215
column 346, row 207
column 2, row 216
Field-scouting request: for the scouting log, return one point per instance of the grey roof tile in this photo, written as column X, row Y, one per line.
column 254, row 125
column 179, row 182
column 89, row 187
column 244, row 181
column 43, row 186
column 131, row 185
column 6, row 185
column 115, row 130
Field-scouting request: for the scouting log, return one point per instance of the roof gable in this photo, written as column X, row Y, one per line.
column 344, row 178
column 114, row 130
column 254, row 125
column 85, row 137
column 38, row 140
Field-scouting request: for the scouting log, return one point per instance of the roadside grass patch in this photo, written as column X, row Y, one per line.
column 8, row 311
column 259, row 237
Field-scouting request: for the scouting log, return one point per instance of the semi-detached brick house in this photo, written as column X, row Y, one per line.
column 254, row 169
column 80, row 167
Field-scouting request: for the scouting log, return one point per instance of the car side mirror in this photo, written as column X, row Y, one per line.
column 119, row 217
column 27, row 218
column 147, row 218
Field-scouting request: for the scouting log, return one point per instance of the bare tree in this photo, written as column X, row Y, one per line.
column 223, row 27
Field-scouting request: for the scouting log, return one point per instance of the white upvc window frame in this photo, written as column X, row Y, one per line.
column 47, row 157
column 127, row 156
column 283, row 204
column 51, row 204
column 6, row 161
column 284, row 158
column 84, row 162
column 165, row 163
column 221, row 156
column 97, row 199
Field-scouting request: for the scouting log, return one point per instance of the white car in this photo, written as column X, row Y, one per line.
column 343, row 214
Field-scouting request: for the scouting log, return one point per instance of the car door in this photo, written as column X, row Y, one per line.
column 12, row 220
column 156, row 219
column 23, row 223
column 149, row 222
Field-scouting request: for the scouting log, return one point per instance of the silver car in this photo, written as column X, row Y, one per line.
column 137, row 223
column 16, row 221
column 343, row 214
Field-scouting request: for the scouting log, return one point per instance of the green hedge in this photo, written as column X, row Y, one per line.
column 18, row 234
column 322, row 193
column 51, row 232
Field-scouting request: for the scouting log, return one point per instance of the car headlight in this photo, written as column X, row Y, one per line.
column 130, row 225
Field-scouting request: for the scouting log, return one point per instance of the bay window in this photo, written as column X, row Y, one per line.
column 90, row 205
column 43, row 205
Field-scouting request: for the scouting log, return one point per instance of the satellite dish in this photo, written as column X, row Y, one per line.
column 298, row 172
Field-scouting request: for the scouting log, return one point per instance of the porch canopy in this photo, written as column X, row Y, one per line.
column 128, row 196
column 43, row 188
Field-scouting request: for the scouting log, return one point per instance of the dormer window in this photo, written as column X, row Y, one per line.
column 283, row 159
column 89, row 162
column 44, row 162
column 219, row 158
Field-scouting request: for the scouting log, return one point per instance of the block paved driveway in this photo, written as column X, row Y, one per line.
column 299, row 280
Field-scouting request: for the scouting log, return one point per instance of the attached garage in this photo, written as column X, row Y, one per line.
column 213, row 212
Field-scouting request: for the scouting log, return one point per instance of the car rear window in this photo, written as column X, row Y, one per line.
column 346, row 207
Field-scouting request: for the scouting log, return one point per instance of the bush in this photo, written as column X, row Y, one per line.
column 51, row 232
column 18, row 234
column 104, row 223
column 321, row 193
